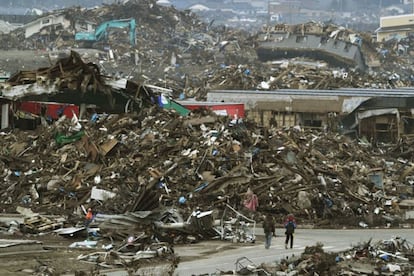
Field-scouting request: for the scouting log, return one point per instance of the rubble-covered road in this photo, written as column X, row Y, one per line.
column 333, row 241
column 154, row 178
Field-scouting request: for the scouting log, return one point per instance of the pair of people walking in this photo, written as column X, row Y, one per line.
column 270, row 231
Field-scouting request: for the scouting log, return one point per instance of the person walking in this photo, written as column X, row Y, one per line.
column 269, row 230
column 88, row 217
column 290, row 226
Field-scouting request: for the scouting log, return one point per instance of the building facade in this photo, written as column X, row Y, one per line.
column 377, row 114
column 395, row 27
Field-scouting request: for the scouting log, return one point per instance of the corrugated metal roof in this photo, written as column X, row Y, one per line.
column 297, row 100
column 395, row 28
column 344, row 92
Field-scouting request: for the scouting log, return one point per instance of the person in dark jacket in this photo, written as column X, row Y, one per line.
column 290, row 226
column 269, row 230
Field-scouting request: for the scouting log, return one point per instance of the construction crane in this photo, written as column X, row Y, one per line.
column 101, row 32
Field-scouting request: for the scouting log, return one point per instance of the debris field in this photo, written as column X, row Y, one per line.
column 155, row 177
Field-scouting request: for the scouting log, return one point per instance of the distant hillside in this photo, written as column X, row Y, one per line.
column 51, row 4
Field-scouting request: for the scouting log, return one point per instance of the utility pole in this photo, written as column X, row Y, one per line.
column 380, row 7
column 268, row 12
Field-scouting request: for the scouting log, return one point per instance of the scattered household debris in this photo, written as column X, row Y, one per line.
column 194, row 56
column 166, row 177
column 15, row 245
column 141, row 162
column 155, row 177
column 386, row 257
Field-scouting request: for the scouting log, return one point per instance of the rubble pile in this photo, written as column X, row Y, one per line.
column 386, row 257
column 159, row 177
column 82, row 76
column 129, row 163
column 132, row 254
column 176, row 49
column 294, row 74
column 153, row 158
column 6, row 27
column 364, row 259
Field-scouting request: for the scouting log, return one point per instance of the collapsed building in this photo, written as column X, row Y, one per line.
column 379, row 115
column 319, row 42
column 126, row 104
column 157, row 177
column 147, row 165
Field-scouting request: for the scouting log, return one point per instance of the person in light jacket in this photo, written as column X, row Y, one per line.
column 250, row 201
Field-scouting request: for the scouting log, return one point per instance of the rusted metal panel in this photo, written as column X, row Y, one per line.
column 303, row 105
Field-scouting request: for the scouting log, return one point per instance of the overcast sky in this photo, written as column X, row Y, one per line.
column 338, row 5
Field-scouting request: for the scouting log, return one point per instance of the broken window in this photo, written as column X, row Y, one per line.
column 311, row 120
column 274, row 118
column 83, row 27
column 383, row 132
column 346, row 48
column 380, row 128
column 301, row 38
column 313, row 123
column 45, row 21
column 408, row 124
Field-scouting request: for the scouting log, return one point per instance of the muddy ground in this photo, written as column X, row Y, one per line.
column 54, row 257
